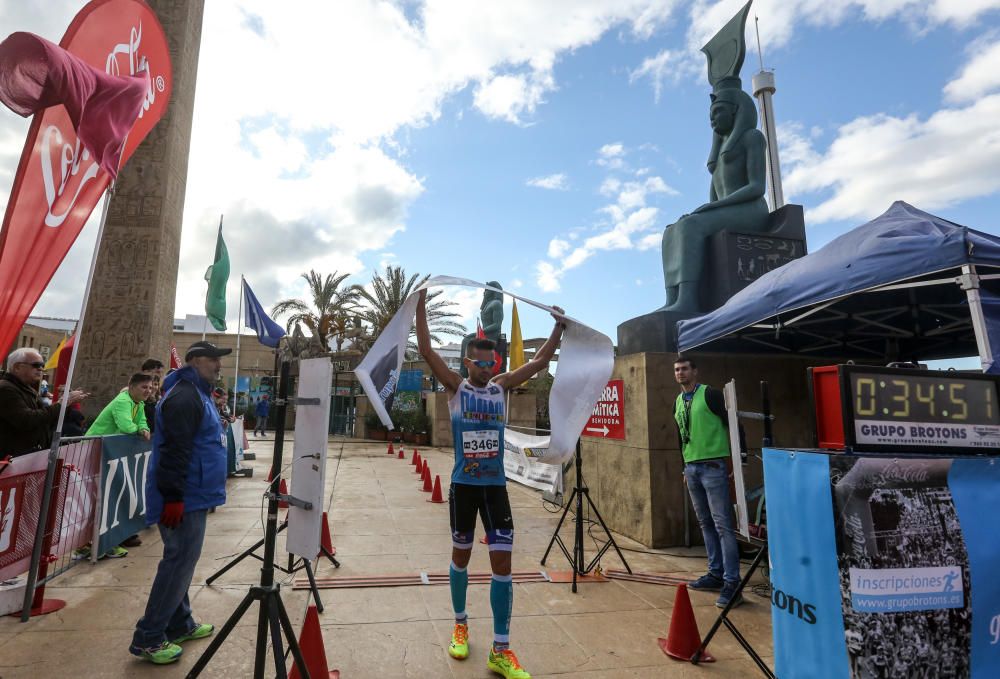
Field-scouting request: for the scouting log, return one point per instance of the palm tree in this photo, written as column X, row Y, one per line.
column 387, row 295
column 329, row 304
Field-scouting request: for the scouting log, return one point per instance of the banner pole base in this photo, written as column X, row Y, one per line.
column 576, row 559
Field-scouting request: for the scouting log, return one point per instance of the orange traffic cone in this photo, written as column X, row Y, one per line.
column 283, row 489
column 683, row 639
column 413, row 459
column 427, row 479
column 436, row 495
column 325, row 541
column 420, row 465
column 313, row 651
column 390, row 451
column 402, row 456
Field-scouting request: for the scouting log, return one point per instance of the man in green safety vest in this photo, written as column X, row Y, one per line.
column 700, row 412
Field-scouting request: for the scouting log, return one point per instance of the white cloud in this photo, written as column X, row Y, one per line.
column 510, row 97
column 558, row 248
column 978, row 76
column 667, row 65
column 933, row 162
column 554, row 182
column 629, row 223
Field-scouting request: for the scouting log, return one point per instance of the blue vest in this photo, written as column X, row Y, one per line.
column 205, row 483
column 477, row 422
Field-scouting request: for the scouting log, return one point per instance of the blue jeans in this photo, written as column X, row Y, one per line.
column 168, row 611
column 708, row 485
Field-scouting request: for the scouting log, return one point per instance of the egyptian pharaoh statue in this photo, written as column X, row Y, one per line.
column 491, row 315
column 737, row 163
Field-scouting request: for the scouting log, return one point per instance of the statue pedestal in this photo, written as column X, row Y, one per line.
column 637, row 482
column 733, row 261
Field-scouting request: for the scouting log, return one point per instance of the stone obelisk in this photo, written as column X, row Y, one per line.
column 131, row 306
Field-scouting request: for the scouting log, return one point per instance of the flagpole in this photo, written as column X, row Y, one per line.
column 239, row 331
column 36, row 552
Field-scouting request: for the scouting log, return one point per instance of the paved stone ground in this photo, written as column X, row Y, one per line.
column 383, row 525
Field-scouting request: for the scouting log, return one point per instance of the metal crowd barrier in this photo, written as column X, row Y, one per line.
column 75, row 512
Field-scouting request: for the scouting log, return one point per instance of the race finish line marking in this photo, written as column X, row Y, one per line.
column 421, row 578
column 650, row 578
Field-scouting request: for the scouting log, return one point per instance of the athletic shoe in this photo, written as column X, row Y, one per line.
column 459, row 646
column 506, row 665
column 116, row 552
column 133, row 541
column 199, row 632
column 707, row 583
column 727, row 594
column 81, row 553
column 163, row 654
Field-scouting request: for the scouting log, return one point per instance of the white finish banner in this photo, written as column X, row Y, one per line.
column 522, row 453
column 312, row 422
column 586, row 358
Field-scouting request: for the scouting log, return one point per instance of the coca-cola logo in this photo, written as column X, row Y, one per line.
column 62, row 161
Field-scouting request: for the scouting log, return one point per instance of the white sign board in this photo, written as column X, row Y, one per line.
column 520, row 461
column 742, row 518
column 308, row 472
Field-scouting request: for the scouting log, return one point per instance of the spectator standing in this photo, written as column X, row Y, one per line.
column 703, row 426
column 261, row 411
column 154, row 369
column 187, row 477
column 27, row 424
column 126, row 414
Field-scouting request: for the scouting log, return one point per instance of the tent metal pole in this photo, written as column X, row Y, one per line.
column 970, row 284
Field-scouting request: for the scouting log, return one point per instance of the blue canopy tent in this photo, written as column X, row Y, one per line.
column 904, row 286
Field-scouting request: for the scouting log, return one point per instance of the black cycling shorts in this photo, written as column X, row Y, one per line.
column 493, row 507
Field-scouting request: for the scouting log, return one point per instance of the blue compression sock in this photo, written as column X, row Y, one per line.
column 458, row 578
column 501, row 601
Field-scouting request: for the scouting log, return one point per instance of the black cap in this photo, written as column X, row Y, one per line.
column 205, row 349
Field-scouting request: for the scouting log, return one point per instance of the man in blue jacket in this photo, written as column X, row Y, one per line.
column 186, row 478
column 261, row 411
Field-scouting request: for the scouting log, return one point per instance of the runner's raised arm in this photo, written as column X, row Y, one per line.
column 450, row 379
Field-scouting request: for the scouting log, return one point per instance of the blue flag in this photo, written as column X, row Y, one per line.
column 268, row 332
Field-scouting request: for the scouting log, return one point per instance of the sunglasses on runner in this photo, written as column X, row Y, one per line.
column 37, row 365
column 482, row 364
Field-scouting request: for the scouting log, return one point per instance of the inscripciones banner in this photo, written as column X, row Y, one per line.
column 124, row 465
column 521, row 461
column 586, row 358
column 883, row 567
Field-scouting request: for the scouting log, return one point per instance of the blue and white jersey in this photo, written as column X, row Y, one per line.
column 477, row 422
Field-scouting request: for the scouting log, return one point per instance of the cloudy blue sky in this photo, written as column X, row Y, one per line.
column 546, row 144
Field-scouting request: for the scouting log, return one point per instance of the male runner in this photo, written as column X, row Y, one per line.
column 478, row 483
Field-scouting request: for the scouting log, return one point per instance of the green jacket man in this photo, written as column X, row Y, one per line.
column 126, row 412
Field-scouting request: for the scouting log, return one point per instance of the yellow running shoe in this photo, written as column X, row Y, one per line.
column 505, row 664
column 459, row 646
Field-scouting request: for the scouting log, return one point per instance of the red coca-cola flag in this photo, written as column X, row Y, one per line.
column 36, row 74
column 58, row 181
column 175, row 358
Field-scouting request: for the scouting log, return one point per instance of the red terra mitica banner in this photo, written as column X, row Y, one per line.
column 58, row 182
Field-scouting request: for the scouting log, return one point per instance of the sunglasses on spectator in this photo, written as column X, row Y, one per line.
column 483, row 364
column 37, row 365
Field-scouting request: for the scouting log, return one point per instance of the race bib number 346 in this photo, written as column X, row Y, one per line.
column 481, row 443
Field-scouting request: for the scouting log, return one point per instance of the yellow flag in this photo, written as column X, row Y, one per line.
column 515, row 357
column 53, row 361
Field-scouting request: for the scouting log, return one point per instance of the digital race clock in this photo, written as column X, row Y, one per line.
column 864, row 408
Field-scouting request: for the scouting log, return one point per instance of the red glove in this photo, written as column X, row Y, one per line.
column 172, row 515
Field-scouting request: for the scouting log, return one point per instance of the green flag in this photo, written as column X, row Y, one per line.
column 217, row 276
